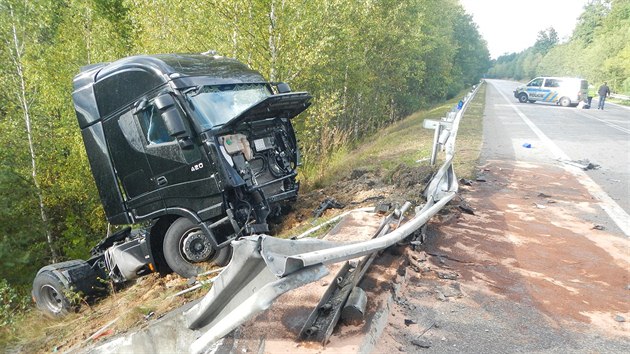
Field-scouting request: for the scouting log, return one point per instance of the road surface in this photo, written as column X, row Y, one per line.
column 555, row 132
column 543, row 264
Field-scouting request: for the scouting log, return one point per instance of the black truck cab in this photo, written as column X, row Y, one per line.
column 199, row 146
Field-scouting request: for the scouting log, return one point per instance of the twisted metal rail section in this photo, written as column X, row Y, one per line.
column 265, row 267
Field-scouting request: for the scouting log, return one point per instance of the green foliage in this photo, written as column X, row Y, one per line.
column 546, row 40
column 11, row 303
column 599, row 50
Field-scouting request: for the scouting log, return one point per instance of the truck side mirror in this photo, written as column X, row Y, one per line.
column 164, row 101
column 283, row 87
column 173, row 121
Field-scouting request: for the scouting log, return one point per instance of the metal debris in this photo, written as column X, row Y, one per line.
column 329, row 203
column 465, row 181
column 421, row 342
column 463, row 206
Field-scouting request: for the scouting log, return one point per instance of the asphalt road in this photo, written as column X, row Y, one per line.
column 565, row 133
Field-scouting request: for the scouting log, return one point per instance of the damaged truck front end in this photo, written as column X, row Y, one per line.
column 199, row 149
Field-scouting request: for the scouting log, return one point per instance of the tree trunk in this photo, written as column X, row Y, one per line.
column 272, row 41
column 17, row 57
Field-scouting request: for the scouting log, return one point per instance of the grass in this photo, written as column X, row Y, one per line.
column 619, row 101
column 405, row 142
column 32, row 332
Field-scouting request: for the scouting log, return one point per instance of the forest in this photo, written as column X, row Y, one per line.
column 366, row 63
column 598, row 50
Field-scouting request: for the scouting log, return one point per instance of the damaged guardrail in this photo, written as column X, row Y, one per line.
column 265, row 267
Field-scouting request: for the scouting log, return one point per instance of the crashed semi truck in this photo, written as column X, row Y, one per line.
column 195, row 149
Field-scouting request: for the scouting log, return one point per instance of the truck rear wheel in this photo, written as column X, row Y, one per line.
column 522, row 98
column 565, row 102
column 185, row 246
column 49, row 294
column 55, row 283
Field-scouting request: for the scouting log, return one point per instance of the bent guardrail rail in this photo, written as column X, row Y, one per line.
column 265, row 267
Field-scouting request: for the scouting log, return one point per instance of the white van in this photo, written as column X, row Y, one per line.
column 565, row 91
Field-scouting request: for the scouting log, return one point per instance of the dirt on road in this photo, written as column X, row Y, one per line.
column 526, row 272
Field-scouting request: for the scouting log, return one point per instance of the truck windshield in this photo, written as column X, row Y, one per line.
column 217, row 105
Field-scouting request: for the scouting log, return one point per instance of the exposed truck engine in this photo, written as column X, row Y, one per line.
column 198, row 149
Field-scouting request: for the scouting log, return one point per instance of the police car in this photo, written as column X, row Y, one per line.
column 565, row 91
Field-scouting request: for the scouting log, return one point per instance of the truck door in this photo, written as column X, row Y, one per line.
column 182, row 173
column 133, row 171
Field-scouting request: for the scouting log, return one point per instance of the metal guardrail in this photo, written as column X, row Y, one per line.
column 620, row 97
column 265, row 267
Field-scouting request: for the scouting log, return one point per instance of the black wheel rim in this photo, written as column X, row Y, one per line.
column 194, row 248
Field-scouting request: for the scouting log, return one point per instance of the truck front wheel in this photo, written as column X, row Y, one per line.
column 185, row 246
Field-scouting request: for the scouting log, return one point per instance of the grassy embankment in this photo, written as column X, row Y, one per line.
column 407, row 142
column 404, row 142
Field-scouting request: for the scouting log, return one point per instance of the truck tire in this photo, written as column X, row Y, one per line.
column 522, row 98
column 185, row 246
column 565, row 102
column 49, row 293
column 55, row 282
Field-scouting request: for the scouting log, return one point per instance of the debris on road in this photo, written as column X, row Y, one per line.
column 447, row 275
column 583, row 164
column 421, row 342
column 480, row 179
column 440, row 296
column 465, row 181
column 409, row 322
column 328, row 203
column 452, row 290
column 598, row 227
column 463, row 206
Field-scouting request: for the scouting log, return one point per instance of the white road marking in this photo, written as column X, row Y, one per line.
column 607, row 122
column 616, row 213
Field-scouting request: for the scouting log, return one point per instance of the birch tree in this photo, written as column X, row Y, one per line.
column 16, row 42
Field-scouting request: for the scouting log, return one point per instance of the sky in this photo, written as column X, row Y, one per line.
column 510, row 26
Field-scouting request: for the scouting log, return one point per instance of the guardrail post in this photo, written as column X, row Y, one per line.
column 436, row 142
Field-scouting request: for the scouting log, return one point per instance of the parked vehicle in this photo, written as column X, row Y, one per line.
column 199, row 149
column 565, row 91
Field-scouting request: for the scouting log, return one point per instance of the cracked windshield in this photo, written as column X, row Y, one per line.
column 217, row 105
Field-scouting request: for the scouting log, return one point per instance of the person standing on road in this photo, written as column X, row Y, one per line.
column 603, row 92
column 590, row 95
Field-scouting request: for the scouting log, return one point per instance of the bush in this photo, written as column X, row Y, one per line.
column 12, row 303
